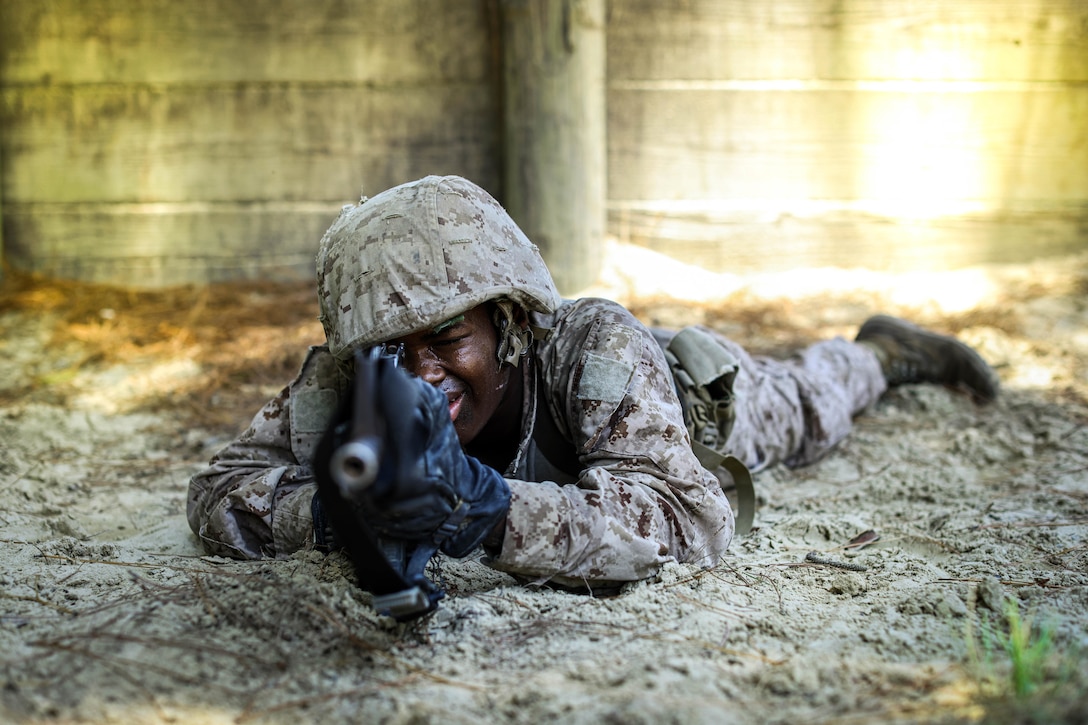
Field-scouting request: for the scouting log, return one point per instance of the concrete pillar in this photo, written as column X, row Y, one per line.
column 555, row 156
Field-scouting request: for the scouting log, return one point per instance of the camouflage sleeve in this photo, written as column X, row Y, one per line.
column 253, row 501
column 642, row 498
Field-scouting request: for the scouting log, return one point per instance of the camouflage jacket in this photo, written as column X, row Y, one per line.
column 605, row 486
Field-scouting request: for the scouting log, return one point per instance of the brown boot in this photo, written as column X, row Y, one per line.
column 909, row 354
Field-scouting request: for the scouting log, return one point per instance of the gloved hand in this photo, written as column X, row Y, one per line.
column 427, row 489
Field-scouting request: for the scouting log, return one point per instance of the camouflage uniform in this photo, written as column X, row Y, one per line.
column 642, row 498
column 604, row 486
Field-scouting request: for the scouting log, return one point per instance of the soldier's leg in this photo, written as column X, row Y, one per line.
column 795, row 410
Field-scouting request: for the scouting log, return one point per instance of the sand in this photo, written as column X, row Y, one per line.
column 111, row 612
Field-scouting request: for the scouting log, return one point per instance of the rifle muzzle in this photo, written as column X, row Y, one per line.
column 354, row 465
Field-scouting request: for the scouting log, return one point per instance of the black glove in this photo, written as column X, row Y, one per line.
column 427, row 490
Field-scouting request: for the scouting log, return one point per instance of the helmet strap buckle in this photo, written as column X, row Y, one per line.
column 514, row 339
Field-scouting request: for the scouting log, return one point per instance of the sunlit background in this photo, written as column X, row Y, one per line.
column 151, row 143
column 914, row 156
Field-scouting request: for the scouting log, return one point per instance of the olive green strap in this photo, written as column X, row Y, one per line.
column 746, row 493
column 742, row 482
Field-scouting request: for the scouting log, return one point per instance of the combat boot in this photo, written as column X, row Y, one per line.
column 909, row 354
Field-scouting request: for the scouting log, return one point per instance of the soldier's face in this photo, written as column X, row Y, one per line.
column 460, row 360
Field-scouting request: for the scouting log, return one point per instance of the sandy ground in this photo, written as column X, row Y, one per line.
column 111, row 612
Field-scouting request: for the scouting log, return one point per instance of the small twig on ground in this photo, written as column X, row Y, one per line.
column 1042, row 584
column 813, row 558
column 15, row 479
column 37, row 600
column 129, row 564
column 773, row 583
column 141, row 666
column 157, row 644
column 1033, row 524
column 735, row 572
column 739, row 612
column 1078, row 495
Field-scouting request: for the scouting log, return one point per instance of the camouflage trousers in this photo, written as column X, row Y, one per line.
column 796, row 410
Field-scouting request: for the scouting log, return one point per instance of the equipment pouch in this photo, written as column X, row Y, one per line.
column 703, row 372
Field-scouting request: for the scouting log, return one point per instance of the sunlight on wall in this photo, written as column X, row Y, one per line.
column 923, row 157
column 912, row 171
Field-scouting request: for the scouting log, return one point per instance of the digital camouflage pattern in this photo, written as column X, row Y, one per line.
column 253, row 501
column 642, row 498
column 418, row 254
column 629, row 494
column 605, row 486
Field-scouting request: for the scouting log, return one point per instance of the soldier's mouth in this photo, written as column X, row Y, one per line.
column 455, row 405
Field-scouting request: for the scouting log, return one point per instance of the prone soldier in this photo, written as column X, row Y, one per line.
column 562, row 436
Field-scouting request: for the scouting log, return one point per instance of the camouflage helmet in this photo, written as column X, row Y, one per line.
column 418, row 255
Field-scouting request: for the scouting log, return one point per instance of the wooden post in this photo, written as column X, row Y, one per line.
column 2, row 259
column 554, row 124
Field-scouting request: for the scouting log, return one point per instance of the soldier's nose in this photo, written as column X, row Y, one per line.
column 426, row 366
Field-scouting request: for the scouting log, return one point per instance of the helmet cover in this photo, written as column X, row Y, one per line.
column 418, row 254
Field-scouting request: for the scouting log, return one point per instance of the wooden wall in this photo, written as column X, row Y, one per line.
column 157, row 142
column 153, row 142
column 882, row 133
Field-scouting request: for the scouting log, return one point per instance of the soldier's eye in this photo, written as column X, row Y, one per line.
column 450, row 341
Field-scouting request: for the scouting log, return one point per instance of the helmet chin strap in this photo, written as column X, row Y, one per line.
column 514, row 340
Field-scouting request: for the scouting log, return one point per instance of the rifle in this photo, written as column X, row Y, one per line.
column 355, row 463
column 350, row 478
